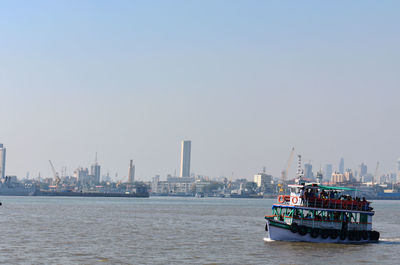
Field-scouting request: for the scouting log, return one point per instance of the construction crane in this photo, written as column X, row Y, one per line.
column 376, row 173
column 55, row 174
column 284, row 172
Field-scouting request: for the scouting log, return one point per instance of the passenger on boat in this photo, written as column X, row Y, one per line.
column 365, row 205
column 305, row 197
column 323, row 194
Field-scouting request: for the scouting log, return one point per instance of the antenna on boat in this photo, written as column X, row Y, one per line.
column 299, row 173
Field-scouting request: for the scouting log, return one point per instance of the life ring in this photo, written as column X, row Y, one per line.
column 281, row 199
column 295, row 199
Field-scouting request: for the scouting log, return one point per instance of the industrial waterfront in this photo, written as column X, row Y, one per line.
column 43, row 230
column 90, row 183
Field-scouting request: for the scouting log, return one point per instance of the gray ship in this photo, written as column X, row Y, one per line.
column 11, row 188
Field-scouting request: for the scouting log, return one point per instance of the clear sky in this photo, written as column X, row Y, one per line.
column 244, row 80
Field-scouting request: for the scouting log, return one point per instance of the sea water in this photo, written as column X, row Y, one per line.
column 166, row 230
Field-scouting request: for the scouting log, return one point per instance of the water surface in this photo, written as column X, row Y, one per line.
column 162, row 230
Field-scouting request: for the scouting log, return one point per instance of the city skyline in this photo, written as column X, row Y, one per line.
column 82, row 172
column 245, row 81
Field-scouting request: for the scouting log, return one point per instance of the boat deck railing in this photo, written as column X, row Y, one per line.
column 327, row 203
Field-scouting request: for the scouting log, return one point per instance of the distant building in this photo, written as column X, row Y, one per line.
column 173, row 186
column 263, row 180
column 95, row 172
column 363, row 171
column 308, row 173
column 2, row 161
column 154, row 183
column 82, row 174
column 341, row 166
column 387, row 178
column 339, row 178
column 185, row 159
column 368, row 178
column 131, row 172
column 106, row 177
column 398, row 170
column 328, row 172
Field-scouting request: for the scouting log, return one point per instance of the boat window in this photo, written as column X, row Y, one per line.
column 307, row 214
column 351, row 217
column 363, row 218
column 336, row 216
column 357, row 218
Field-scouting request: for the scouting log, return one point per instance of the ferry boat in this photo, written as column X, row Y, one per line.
column 322, row 214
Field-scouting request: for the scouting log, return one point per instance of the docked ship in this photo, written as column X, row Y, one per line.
column 9, row 186
column 322, row 214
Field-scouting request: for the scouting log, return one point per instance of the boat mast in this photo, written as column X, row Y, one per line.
column 299, row 173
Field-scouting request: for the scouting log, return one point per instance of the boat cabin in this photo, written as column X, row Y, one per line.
column 322, row 218
column 319, row 196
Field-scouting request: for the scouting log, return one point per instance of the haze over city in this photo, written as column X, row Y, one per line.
column 244, row 81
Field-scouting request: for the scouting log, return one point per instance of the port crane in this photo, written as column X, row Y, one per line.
column 55, row 173
column 284, row 172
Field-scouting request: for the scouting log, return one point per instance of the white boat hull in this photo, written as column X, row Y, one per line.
column 283, row 234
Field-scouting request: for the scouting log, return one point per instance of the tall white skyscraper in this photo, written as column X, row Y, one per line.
column 185, row 159
column 2, row 161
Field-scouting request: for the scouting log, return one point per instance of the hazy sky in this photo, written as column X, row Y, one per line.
column 244, row 80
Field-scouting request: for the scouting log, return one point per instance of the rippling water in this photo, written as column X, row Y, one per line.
column 159, row 230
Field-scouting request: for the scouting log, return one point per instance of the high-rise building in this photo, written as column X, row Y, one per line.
column 328, row 172
column 2, row 161
column 363, row 171
column 342, row 178
column 131, row 172
column 95, row 171
column 263, row 181
column 341, row 166
column 82, row 175
column 185, row 159
column 308, row 171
